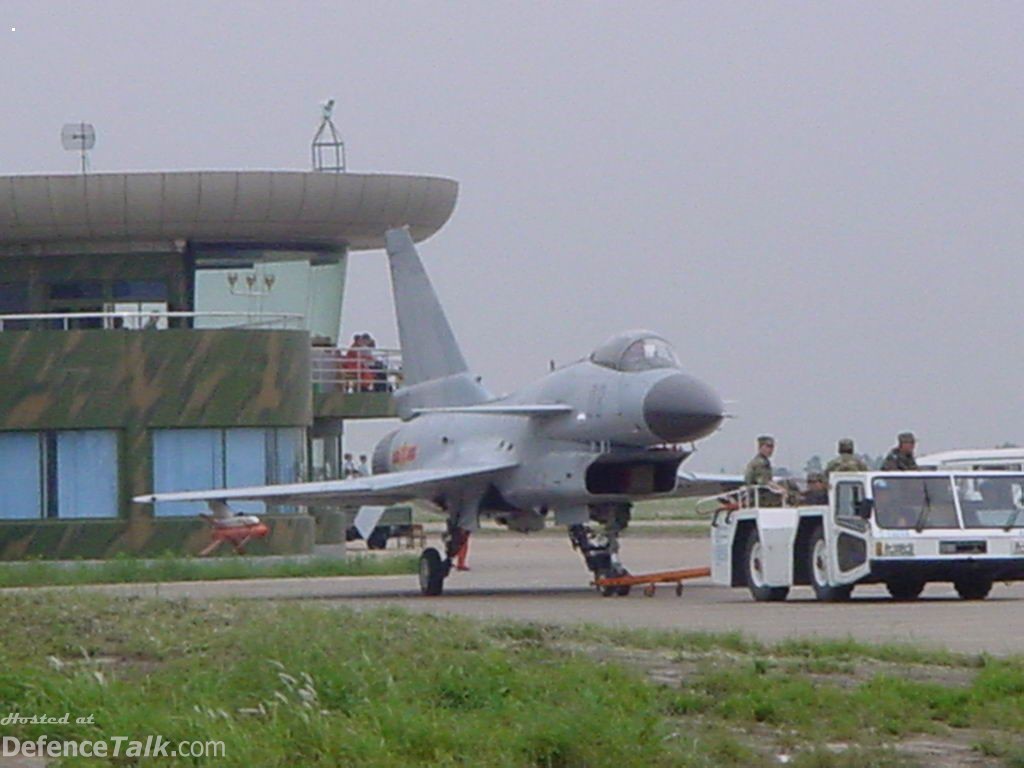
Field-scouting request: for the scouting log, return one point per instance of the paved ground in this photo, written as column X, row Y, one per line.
column 542, row 579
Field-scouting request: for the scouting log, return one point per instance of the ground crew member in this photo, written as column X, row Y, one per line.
column 462, row 554
column 759, row 468
column 846, row 461
column 817, row 489
column 759, row 473
column 901, row 457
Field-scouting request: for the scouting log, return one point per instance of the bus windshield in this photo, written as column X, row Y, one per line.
column 991, row 501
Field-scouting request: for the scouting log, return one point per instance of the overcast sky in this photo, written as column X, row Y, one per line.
column 820, row 204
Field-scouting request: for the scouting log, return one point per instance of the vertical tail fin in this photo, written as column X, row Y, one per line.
column 434, row 372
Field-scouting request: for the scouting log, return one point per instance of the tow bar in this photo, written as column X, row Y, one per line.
column 650, row 580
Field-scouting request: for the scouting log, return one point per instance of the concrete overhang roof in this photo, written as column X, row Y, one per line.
column 352, row 209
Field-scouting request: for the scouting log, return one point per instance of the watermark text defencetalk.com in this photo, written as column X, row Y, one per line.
column 114, row 746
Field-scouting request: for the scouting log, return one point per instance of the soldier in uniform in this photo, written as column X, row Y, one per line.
column 902, row 456
column 759, row 468
column 759, row 472
column 817, row 489
column 846, row 461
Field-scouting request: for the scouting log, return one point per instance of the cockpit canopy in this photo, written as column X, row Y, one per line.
column 635, row 351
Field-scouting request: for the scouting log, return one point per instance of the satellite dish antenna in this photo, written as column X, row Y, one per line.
column 79, row 137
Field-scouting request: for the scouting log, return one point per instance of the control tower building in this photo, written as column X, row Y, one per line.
column 177, row 331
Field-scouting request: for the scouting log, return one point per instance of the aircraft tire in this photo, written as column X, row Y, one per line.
column 618, row 590
column 758, row 590
column 976, row 588
column 432, row 572
column 818, row 569
column 905, row 590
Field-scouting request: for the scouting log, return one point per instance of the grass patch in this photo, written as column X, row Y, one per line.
column 847, row 650
column 128, row 570
column 299, row 684
column 285, row 683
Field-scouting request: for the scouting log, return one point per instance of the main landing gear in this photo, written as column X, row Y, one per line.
column 600, row 549
column 433, row 569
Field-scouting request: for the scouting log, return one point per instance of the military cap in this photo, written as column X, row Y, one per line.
column 765, row 440
column 815, row 477
column 846, row 445
column 906, row 437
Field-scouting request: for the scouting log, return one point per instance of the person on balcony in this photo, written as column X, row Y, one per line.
column 356, row 364
column 348, row 467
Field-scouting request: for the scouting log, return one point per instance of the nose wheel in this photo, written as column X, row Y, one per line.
column 600, row 553
column 618, row 590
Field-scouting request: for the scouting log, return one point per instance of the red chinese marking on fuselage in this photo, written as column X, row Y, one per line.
column 403, row 454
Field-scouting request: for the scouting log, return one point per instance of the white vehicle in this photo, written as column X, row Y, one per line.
column 903, row 529
column 975, row 458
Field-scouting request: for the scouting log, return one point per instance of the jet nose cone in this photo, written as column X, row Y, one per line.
column 680, row 408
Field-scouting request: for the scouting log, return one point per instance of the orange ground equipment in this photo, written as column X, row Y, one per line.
column 620, row 585
column 234, row 534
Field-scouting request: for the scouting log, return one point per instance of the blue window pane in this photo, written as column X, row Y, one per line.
column 140, row 290
column 20, row 478
column 289, row 450
column 87, row 473
column 289, row 455
column 13, row 298
column 186, row 460
column 85, row 289
column 246, row 464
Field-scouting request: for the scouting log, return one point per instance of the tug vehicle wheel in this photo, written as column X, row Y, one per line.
column 378, row 538
column 432, row 572
column 905, row 590
column 754, row 559
column 973, row 588
column 818, row 568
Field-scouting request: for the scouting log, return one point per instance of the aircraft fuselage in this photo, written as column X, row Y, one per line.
column 619, row 441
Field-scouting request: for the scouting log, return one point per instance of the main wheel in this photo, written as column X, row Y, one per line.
column 973, row 587
column 818, row 568
column 432, row 572
column 906, row 589
column 754, row 558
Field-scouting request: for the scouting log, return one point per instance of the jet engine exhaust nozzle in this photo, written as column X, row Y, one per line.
column 680, row 408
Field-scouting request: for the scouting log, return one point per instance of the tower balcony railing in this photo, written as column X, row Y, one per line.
column 151, row 320
column 355, row 369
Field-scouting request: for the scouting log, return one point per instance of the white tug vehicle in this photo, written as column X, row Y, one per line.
column 903, row 529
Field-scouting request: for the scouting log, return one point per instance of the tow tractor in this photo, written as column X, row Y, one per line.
column 903, row 529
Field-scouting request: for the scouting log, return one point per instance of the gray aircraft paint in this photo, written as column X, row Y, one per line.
column 434, row 372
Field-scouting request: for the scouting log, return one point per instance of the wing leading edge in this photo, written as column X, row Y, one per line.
column 376, row 489
column 538, row 410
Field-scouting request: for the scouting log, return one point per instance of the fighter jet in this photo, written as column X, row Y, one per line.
column 578, row 446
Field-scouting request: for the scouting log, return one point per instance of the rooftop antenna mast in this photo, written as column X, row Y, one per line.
column 328, row 149
column 79, row 137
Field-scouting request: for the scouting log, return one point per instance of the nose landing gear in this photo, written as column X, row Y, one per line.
column 600, row 549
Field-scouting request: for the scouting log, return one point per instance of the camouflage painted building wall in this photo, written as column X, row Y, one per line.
column 133, row 381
